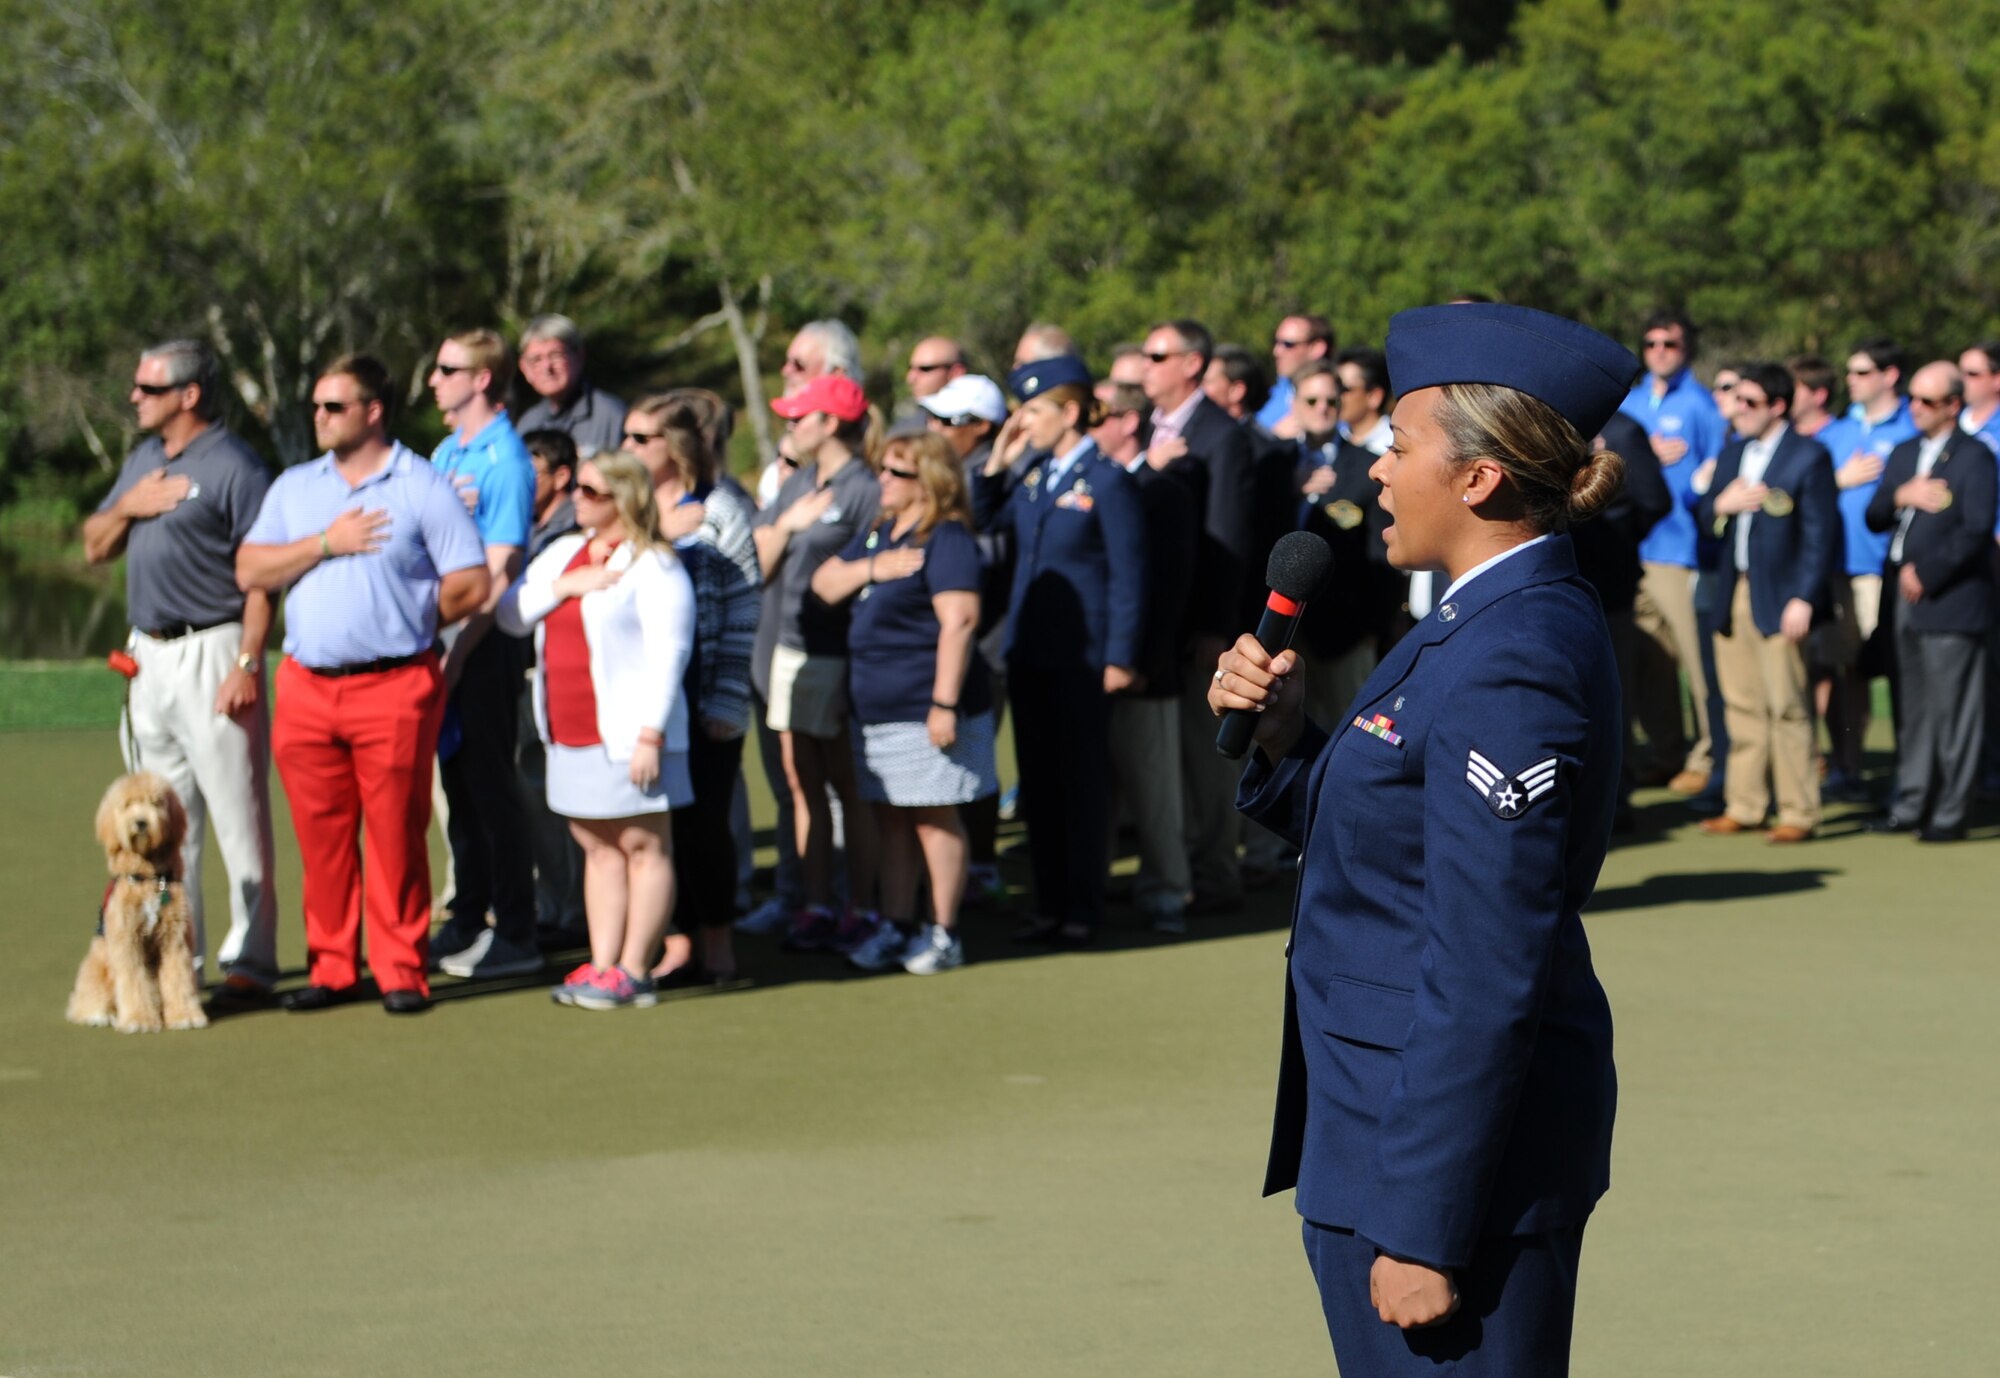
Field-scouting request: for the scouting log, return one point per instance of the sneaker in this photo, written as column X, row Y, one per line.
column 492, row 956
column 1010, row 804
column 812, row 928
column 933, row 950
column 857, row 928
column 583, row 978
column 769, row 917
column 452, row 938
column 618, row 989
column 885, row 949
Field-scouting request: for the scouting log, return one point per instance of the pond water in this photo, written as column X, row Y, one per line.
column 54, row 611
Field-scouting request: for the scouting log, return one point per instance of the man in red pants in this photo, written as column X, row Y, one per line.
column 377, row 551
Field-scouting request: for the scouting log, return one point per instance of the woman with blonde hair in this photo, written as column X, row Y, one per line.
column 923, row 711
column 612, row 612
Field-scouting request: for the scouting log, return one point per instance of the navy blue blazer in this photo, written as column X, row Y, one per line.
column 1447, row 1066
column 1079, row 593
column 1794, row 549
column 1953, row 549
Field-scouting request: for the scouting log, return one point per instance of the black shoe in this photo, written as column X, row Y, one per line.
column 1940, row 834
column 308, row 998
column 405, row 1001
column 1889, row 823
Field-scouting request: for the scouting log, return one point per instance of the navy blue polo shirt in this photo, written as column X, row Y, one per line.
column 893, row 638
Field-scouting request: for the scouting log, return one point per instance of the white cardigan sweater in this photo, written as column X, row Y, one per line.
column 640, row 632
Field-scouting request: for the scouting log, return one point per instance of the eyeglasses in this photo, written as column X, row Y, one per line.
column 1664, row 342
column 334, row 408
column 642, row 437
column 1280, row 342
column 887, row 472
column 584, row 490
column 916, row 367
column 449, row 369
column 1918, row 400
column 1161, row 356
column 159, row 389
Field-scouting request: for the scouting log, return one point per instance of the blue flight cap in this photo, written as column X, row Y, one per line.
column 1582, row 374
column 1030, row 380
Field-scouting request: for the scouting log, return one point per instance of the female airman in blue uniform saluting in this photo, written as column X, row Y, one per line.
column 1446, row 1089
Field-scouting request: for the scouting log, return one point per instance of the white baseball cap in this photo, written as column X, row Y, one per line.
column 969, row 394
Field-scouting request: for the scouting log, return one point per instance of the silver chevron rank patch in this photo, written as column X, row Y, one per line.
column 1509, row 795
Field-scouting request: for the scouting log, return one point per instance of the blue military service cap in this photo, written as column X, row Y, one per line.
column 1579, row 372
column 1031, row 379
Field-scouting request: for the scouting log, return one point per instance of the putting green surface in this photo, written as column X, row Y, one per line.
column 1035, row 1165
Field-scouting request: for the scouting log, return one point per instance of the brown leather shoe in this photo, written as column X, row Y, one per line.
column 1785, row 834
column 1724, row 826
column 1688, row 782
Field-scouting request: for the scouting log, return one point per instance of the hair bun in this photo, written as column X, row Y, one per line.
column 1595, row 485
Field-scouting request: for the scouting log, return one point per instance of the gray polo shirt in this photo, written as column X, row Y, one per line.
column 791, row 615
column 594, row 419
column 181, row 565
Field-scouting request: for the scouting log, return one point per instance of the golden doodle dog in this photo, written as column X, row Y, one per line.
column 139, row 976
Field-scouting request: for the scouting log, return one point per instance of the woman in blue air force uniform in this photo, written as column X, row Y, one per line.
column 1446, row 1090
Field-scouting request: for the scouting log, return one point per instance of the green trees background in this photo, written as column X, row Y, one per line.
column 693, row 178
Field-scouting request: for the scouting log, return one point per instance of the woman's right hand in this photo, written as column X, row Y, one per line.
column 897, row 564
column 1248, row 676
column 585, row 579
column 804, row 512
column 1008, row 446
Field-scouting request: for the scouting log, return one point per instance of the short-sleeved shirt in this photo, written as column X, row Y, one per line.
column 1685, row 411
column 180, row 567
column 1862, row 550
column 497, row 464
column 594, row 419
column 893, row 640
column 352, row 609
column 791, row 616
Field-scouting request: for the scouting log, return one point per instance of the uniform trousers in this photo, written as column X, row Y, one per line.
column 357, row 750
column 704, row 854
column 1768, row 699
column 1940, row 724
column 220, row 766
column 1208, row 790
column 1670, row 641
column 1062, row 721
column 1517, row 1302
column 1145, row 752
column 492, row 850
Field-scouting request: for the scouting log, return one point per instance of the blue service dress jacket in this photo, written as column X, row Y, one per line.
column 1447, row 1070
column 1078, row 598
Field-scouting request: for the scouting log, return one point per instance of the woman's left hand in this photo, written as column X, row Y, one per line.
column 646, row 765
column 943, row 726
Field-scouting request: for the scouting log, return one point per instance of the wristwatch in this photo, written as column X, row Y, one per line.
column 249, row 664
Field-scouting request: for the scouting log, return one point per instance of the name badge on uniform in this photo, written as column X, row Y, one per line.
column 1777, row 503
column 1344, row 514
column 1509, row 796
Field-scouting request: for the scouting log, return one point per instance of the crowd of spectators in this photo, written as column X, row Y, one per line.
column 561, row 630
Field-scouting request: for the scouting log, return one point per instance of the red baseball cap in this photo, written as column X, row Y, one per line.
column 838, row 396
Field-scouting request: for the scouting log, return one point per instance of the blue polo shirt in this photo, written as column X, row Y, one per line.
column 1864, row 551
column 498, row 465
column 1684, row 411
column 893, row 638
column 1990, row 433
column 356, row 608
column 1280, row 405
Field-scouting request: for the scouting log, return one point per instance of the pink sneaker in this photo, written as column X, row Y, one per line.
column 585, row 977
column 618, row 989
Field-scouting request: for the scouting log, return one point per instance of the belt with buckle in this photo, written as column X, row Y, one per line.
column 174, row 631
column 367, row 667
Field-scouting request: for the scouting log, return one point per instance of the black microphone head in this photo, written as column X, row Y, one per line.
column 1300, row 563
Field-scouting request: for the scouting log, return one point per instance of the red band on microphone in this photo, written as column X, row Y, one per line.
column 1282, row 605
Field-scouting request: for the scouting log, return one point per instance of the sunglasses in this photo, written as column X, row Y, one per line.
column 1862, row 372
column 1664, row 342
column 1916, row 399
column 1161, row 356
column 642, row 437
column 159, row 389
column 1319, row 401
column 334, row 408
column 1280, row 342
column 584, row 490
column 1726, row 387
column 887, row 472
column 449, row 369
column 796, row 365
column 931, row 368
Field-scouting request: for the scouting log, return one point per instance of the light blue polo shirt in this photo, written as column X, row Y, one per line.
column 1684, row 411
column 352, row 609
column 1990, row 433
column 1864, row 550
column 1280, row 404
column 497, row 464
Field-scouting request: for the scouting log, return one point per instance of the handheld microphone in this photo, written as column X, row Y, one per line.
column 1299, row 565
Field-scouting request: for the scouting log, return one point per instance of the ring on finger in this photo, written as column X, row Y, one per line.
column 1218, row 676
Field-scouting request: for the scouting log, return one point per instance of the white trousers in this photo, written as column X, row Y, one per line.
column 221, row 768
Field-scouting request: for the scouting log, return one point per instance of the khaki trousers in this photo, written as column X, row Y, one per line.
column 1146, row 788
column 1770, row 716
column 1670, row 641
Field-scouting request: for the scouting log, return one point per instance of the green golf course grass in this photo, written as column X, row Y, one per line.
column 1038, row 1165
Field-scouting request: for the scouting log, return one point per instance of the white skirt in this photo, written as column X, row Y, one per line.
column 895, row 763
column 584, row 782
